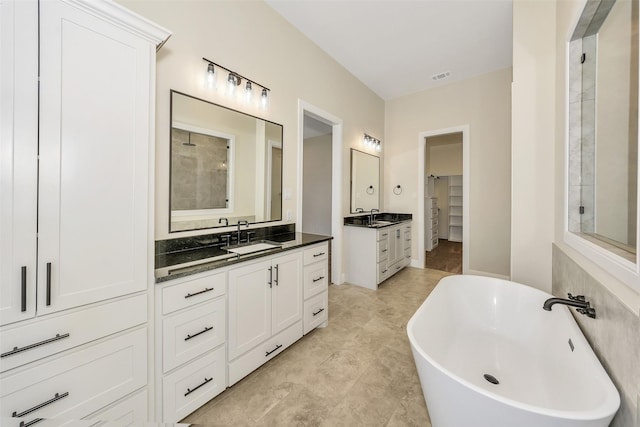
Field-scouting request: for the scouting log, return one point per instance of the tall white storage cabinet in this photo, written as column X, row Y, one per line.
column 77, row 168
column 455, row 208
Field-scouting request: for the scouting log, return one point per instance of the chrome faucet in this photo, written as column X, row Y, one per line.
column 226, row 221
column 578, row 301
column 359, row 210
column 241, row 222
column 372, row 215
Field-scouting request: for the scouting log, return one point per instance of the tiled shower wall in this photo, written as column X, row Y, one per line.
column 614, row 334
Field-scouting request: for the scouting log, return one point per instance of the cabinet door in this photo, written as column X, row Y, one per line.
column 18, row 158
column 395, row 245
column 287, row 291
column 94, row 156
column 249, row 307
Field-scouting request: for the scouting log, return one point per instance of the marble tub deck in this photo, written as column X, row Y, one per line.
column 358, row 371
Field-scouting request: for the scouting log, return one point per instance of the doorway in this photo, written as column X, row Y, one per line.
column 443, row 214
column 319, row 207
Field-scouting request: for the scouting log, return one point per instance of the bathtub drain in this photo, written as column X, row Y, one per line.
column 491, row 379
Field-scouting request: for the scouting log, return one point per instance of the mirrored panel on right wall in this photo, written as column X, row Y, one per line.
column 603, row 131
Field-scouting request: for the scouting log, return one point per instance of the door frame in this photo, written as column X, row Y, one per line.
column 305, row 108
column 466, row 173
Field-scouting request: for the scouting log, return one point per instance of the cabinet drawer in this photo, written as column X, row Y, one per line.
column 383, row 234
column 383, row 250
column 192, row 332
column 52, row 334
column 253, row 359
column 316, row 253
column 315, row 279
column 194, row 291
column 434, row 241
column 407, row 240
column 79, row 383
column 316, row 311
column 193, row 385
column 131, row 411
column 383, row 271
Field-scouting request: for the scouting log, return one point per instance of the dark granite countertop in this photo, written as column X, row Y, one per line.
column 383, row 219
column 183, row 257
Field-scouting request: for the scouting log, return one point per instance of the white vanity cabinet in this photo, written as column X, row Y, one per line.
column 375, row 254
column 265, row 311
column 191, row 328
column 75, row 166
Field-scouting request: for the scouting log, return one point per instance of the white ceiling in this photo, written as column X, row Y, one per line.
column 396, row 46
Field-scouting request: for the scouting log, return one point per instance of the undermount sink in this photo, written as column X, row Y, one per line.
column 380, row 223
column 251, row 248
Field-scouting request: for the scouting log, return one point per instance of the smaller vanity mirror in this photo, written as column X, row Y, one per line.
column 365, row 181
column 226, row 166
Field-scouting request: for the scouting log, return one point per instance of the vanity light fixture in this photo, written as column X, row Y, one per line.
column 211, row 75
column 234, row 80
column 372, row 143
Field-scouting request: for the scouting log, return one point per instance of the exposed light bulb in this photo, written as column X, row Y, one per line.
column 248, row 92
column 264, row 98
column 211, row 75
column 231, row 83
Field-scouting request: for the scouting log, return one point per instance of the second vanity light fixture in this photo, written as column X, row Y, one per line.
column 372, row 143
column 234, row 80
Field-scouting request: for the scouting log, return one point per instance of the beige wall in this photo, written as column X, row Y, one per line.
column 444, row 155
column 251, row 39
column 533, row 121
column 483, row 103
column 316, row 197
column 567, row 14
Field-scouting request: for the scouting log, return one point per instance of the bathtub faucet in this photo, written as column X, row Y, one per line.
column 578, row 301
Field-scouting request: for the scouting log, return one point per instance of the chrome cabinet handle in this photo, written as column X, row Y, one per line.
column 277, row 274
column 318, row 254
column 189, row 295
column 30, row 423
column 269, row 352
column 48, row 283
column 318, row 279
column 57, row 397
column 206, row 329
column 191, row 390
column 318, row 312
column 23, row 289
column 30, row 346
column 270, row 277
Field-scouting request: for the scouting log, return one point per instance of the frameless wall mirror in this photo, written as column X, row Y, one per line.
column 603, row 130
column 224, row 165
column 365, row 181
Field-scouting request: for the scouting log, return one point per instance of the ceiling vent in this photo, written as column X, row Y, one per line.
column 440, row 76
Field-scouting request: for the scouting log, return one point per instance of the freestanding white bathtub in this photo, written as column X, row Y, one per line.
column 547, row 374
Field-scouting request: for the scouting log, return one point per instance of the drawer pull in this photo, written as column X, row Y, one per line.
column 318, row 312
column 38, row 344
column 407, row 240
column 318, row 279
column 318, row 254
column 30, row 423
column 384, row 250
column 384, row 271
column 385, row 234
column 269, row 352
column 191, row 390
column 206, row 329
column 57, row 397
column 198, row 293
column 23, row 289
column 48, row 283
